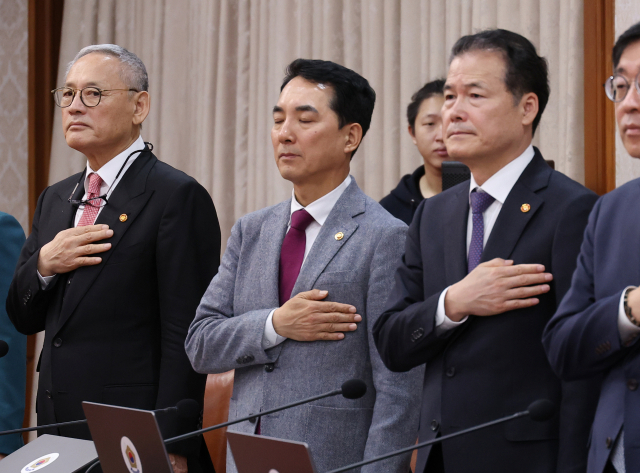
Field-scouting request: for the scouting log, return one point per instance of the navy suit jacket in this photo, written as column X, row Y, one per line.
column 583, row 339
column 13, row 366
column 114, row 332
column 490, row 367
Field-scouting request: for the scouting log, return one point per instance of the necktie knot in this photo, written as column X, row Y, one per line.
column 301, row 219
column 95, row 182
column 480, row 201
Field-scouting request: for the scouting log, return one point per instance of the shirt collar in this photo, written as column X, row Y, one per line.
column 320, row 209
column 109, row 171
column 500, row 184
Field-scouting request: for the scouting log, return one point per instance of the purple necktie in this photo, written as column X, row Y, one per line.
column 480, row 201
column 292, row 252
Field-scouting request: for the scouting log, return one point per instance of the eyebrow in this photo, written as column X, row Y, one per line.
column 466, row 86
column 300, row 108
column 88, row 84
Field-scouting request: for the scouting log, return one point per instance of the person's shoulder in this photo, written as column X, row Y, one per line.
column 376, row 213
column 565, row 184
column 626, row 192
column 165, row 174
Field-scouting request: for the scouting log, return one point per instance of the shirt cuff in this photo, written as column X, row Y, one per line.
column 44, row 280
column 444, row 323
column 270, row 338
column 628, row 331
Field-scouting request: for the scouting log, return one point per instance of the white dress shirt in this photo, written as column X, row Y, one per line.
column 319, row 210
column 497, row 186
column 108, row 174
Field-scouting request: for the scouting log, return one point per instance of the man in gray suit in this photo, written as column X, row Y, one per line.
column 302, row 283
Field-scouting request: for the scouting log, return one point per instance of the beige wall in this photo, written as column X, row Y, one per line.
column 627, row 14
column 14, row 175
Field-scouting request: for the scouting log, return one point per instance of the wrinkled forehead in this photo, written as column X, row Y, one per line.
column 95, row 69
column 300, row 92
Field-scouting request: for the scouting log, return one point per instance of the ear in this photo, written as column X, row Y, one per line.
column 353, row 137
column 412, row 135
column 529, row 107
column 142, row 104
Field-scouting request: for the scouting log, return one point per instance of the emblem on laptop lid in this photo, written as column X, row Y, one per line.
column 130, row 455
column 40, row 463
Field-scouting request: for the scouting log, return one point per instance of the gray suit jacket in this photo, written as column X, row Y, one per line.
column 358, row 269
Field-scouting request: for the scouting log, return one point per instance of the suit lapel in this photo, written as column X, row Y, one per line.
column 350, row 204
column 455, row 244
column 63, row 210
column 128, row 198
column 512, row 220
column 272, row 234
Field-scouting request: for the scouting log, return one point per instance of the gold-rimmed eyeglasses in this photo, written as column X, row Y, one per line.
column 90, row 96
column 616, row 87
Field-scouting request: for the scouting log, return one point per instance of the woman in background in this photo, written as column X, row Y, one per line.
column 425, row 128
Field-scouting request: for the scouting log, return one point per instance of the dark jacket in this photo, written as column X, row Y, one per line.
column 490, row 367
column 403, row 201
column 114, row 332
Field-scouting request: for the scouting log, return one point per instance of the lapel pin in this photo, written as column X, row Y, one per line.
column 123, row 218
column 525, row 208
column 339, row 236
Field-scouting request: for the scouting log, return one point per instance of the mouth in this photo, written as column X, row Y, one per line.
column 458, row 133
column 633, row 130
column 287, row 155
column 77, row 125
column 442, row 152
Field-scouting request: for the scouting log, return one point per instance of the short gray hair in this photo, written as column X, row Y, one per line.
column 133, row 73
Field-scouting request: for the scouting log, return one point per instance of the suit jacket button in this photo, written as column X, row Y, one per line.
column 451, row 372
column 253, row 419
column 632, row 384
column 268, row 367
column 57, row 342
column 248, row 358
column 434, row 425
column 417, row 334
column 608, row 442
column 48, row 394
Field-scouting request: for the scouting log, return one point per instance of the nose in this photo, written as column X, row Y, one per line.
column 438, row 136
column 76, row 104
column 285, row 133
column 631, row 102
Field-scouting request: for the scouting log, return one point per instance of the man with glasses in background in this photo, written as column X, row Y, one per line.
column 118, row 258
column 595, row 330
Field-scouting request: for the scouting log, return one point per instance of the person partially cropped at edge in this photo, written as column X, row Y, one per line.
column 118, row 258
column 424, row 115
column 595, row 330
column 301, row 284
column 485, row 267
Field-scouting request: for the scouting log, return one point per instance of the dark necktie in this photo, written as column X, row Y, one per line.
column 292, row 253
column 480, row 201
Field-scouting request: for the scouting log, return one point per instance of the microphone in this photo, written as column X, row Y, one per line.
column 539, row 411
column 351, row 389
column 185, row 409
column 4, row 348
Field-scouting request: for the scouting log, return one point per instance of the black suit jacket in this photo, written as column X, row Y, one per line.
column 492, row 366
column 114, row 332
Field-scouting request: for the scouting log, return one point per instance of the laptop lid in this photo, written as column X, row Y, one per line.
column 50, row 454
column 259, row 454
column 127, row 440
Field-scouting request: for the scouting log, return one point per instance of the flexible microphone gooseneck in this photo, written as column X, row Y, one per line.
column 539, row 410
column 186, row 409
column 351, row 389
column 4, row 348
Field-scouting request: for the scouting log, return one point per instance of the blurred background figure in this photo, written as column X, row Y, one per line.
column 13, row 366
column 425, row 128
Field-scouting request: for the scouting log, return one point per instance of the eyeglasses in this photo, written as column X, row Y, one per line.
column 90, row 96
column 616, row 87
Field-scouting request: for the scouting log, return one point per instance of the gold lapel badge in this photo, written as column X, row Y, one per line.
column 123, row 218
column 339, row 236
column 525, row 208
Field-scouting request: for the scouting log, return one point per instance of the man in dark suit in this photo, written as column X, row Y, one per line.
column 117, row 260
column 596, row 327
column 476, row 287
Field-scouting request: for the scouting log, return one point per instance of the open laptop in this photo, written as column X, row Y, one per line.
column 127, row 440
column 258, row 454
column 50, row 454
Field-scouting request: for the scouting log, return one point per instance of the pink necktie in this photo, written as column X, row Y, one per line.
column 292, row 253
column 92, row 207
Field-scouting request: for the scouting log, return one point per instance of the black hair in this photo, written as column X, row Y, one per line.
column 525, row 70
column 426, row 92
column 624, row 40
column 353, row 98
